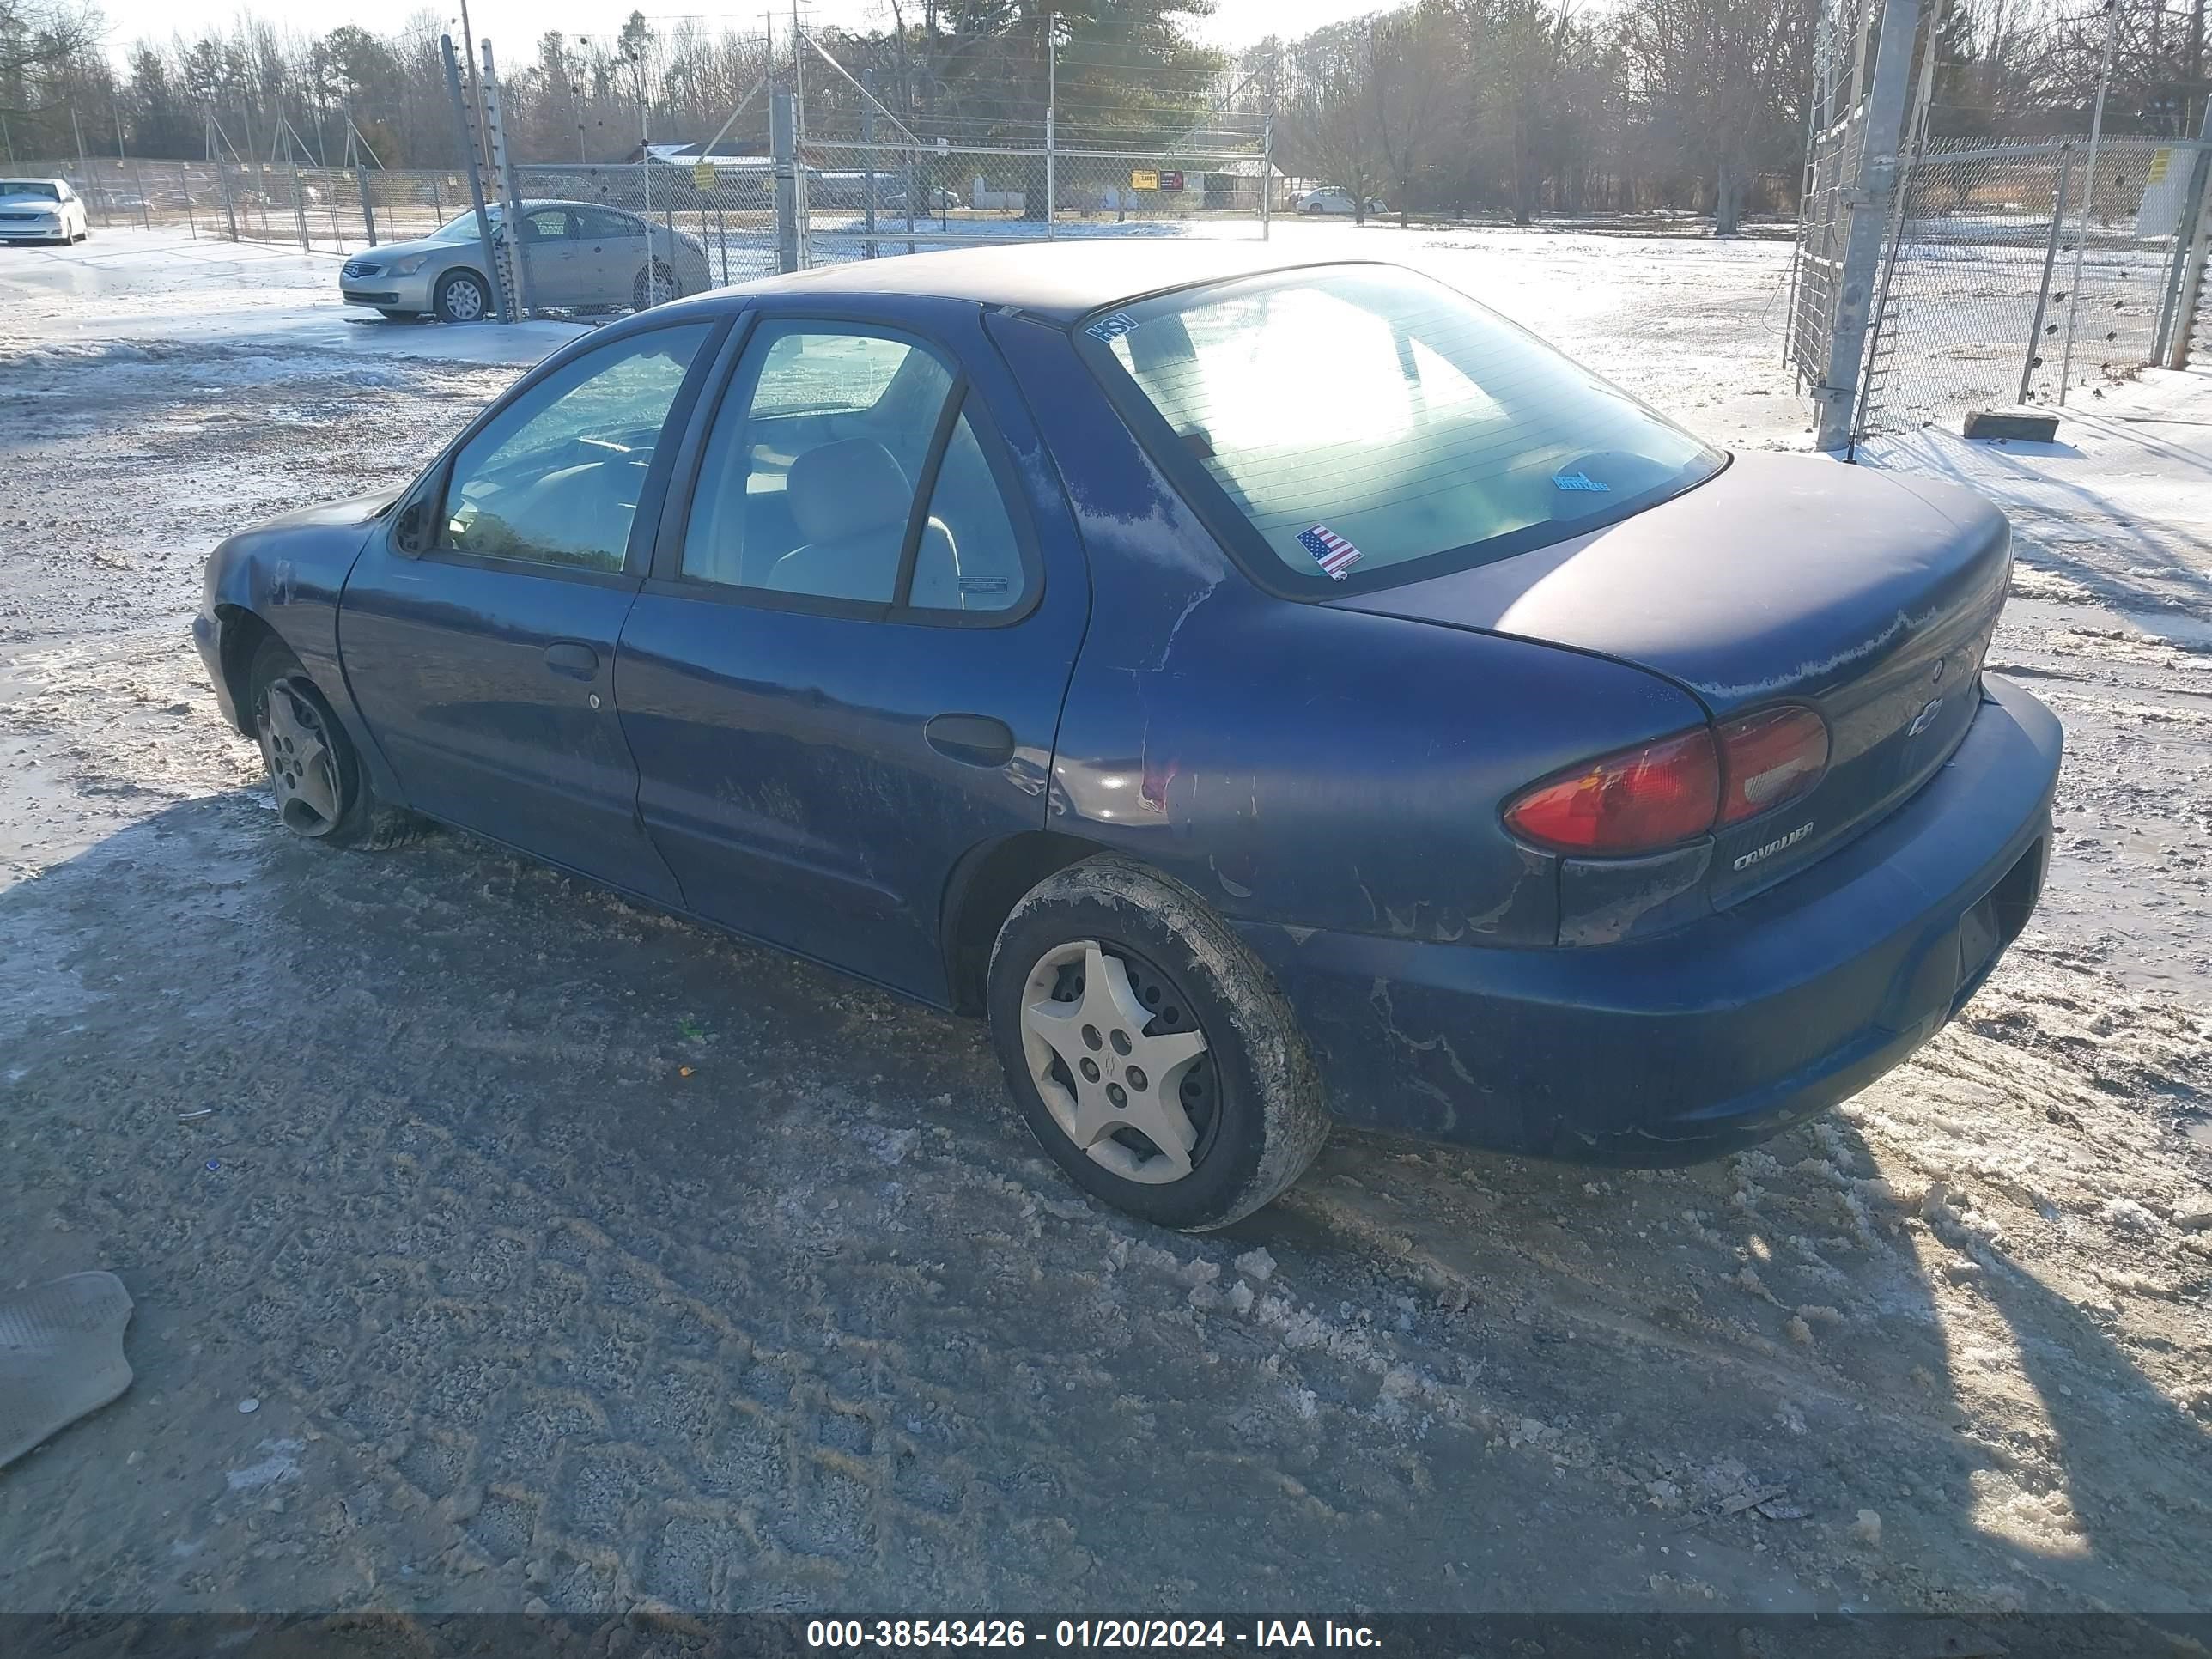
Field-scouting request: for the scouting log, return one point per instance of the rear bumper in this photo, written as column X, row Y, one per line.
column 1717, row 1035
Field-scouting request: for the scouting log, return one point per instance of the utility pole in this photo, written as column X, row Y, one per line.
column 1835, row 396
column 465, row 127
column 476, row 85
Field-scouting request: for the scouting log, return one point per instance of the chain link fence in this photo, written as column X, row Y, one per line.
column 333, row 210
column 2017, row 273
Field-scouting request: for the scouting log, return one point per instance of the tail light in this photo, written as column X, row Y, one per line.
column 1636, row 800
column 1769, row 758
column 1660, row 794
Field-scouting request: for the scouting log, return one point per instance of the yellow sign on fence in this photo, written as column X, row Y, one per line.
column 1143, row 182
column 704, row 176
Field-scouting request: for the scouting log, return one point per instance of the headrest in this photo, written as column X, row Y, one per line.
column 842, row 489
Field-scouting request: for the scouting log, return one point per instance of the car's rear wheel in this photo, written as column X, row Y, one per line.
column 655, row 285
column 463, row 297
column 1149, row 1051
column 322, row 792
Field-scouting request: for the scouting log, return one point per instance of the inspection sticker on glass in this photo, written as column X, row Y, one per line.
column 1110, row 329
column 1330, row 551
column 1580, row 481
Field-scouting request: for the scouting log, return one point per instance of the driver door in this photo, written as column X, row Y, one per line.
column 483, row 655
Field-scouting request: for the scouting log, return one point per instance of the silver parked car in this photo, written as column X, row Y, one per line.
column 573, row 253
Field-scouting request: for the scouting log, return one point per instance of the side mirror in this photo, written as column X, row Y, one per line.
column 407, row 534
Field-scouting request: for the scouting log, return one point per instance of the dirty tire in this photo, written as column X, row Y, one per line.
column 655, row 285
column 1265, row 1120
column 463, row 297
column 361, row 821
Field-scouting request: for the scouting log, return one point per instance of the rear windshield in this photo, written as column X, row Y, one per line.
column 1365, row 422
column 22, row 188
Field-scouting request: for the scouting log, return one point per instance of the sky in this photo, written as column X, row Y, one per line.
column 514, row 25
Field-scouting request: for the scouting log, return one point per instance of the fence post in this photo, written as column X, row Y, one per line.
column 367, row 207
column 2189, row 243
column 229, row 208
column 2050, row 260
column 1267, row 173
column 783, row 148
column 1836, row 397
column 1051, row 98
column 300, row 210
column 868, row 160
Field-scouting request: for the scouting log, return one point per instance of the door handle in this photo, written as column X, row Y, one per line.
column 570, row 657
column 975, row 739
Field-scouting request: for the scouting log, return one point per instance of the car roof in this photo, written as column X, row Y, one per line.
column 1058, row 281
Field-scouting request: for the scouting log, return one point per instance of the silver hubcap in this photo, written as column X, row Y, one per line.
column 464, row 300
column 1114, row 1092
column 301, row 768
column 658, row 285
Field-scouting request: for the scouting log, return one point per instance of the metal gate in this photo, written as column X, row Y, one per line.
column 2019, row 272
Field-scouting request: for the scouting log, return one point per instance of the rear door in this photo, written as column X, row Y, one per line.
column 845, row 670
column 485, row 662
column 613, row 253
column 553, row 256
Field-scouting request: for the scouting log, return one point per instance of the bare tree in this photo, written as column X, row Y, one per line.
column 1329, row 129
column 1725, row 74
column 1411, row 71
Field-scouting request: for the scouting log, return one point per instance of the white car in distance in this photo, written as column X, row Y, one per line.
column 41, row 211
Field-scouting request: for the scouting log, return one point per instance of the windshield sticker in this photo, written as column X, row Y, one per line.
column 1110, row 329
column 1579, row 480
column 1330, row 551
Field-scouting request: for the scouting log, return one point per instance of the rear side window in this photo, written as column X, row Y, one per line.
column 1366, row 424
column 968, row 558
column 807, row 480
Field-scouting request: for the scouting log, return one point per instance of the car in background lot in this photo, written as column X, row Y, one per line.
column 573, row 253
column 41, row 211
column 1330, row 199
column 1462, row 748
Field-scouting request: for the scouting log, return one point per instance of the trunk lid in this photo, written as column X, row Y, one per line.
column 1782, row 580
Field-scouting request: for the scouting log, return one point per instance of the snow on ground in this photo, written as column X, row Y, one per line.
column 582, row 1259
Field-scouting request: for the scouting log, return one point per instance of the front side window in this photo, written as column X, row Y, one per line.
column 807, row 481
column 554, row 477
column 1366, row 422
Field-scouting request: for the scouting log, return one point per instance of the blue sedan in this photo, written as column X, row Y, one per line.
column 1271, row 694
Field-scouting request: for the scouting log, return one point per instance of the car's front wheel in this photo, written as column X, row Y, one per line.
column 1149, row 1051
column 321, row 790
column 462, row 297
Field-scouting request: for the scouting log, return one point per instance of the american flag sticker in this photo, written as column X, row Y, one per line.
column 1331, row 551
column 1110, row 329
